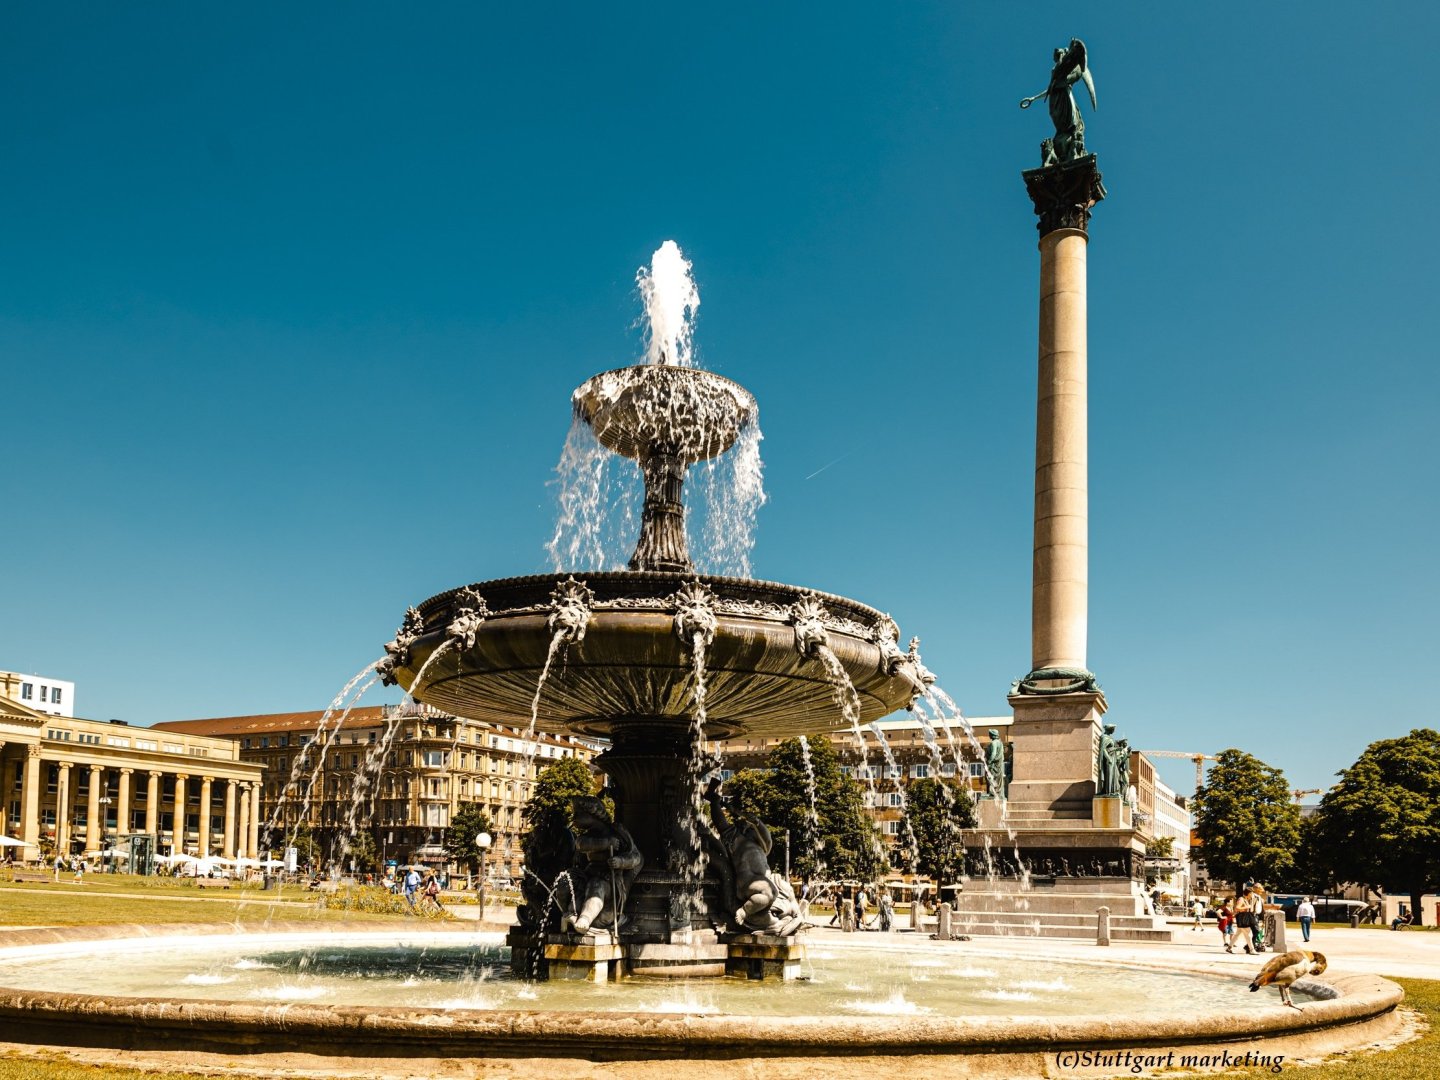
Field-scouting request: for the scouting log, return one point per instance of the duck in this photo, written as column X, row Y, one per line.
column 1282, row 971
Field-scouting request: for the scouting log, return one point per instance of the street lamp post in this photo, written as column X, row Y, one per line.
column 105, row 858
column 482, row 841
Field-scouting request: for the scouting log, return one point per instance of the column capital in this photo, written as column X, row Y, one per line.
column 33, row 750
column 63, row 766
column 207, row 779
column 95, row 768
column 182, row 776
column 157, row 773
column 1064, row 194
column 125, row 770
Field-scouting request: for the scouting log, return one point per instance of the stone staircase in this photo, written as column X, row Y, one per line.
column 1064, row 908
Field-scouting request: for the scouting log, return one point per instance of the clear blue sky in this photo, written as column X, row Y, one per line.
column 293, row 297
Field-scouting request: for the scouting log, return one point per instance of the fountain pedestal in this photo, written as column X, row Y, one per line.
column 764, row 956
column 594, row 957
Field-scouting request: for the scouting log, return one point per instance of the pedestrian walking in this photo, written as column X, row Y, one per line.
column 59, row 865
column 432, row 892
column 1225, row 920
column 1198, row 909
column 412, row 886
column 1305, row 912
column 886, row 916
column 1245, row 923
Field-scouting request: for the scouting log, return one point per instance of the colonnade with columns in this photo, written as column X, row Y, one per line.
column 25, row 787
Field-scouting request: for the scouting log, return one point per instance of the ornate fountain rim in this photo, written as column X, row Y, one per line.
column 1361, row 1005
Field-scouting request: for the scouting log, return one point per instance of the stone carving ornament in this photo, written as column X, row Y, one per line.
column 765, row 901
column 397, row 651
column 608, row 861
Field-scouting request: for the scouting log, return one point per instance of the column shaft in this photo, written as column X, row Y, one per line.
column 228, row 844
column 177, row 817
column 62, row 810
column 94, row 826
column 1060, row 594
column 152, row 808
column 30, row 802
column 122, row 809
column 205, row 782
column 254, row 838
column 242, row 845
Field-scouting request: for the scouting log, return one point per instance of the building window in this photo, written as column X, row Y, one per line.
column 55, row 695
column 174, row 748
column 947, row 769
column 977, row 768
column 146, row 744
column 112, row 740
column 920, row 772
column 27, row 691
column 890, row 828
column 265, row 742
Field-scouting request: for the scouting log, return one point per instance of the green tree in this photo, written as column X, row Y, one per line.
column 1380, row 825
column 1160, row 847
column 363, row 852
column 937, row 811
column 1245, row 822
column 302, row 839
column 468, row 822
column 749, row 791
column 839, row 838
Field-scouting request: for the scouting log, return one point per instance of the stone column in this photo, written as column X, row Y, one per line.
column 62, row 810
column 122, row 809
column 30, row 802
column 94, row 826
column 228, row 844
column 254, row 837
column 205, row 782
column 152, row 808
column 242, row 846
column 177, row 830
column 1063, row 196
column 1060, row 585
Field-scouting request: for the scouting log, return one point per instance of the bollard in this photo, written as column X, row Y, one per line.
column 915, row 908
column 1102, row 926
column 1275, row 930
column 847, row 916
column 944, row 931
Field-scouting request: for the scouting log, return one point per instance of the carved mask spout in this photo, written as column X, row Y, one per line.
column 807, row 616
column 695, row 613
column 397, row 651
column 570, row 610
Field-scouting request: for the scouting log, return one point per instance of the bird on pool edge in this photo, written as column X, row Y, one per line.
column 1283, row 971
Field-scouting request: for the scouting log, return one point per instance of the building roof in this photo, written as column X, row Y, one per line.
column 308, row 722
column 223, row 726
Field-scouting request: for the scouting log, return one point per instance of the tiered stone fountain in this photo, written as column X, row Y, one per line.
column 770, row 659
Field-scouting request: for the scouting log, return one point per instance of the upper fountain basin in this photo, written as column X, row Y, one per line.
column 689, row 412
column 630, row 663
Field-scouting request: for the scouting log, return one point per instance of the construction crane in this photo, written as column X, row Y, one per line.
column 1199, row 760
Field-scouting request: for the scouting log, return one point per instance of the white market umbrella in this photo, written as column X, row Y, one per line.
column 244, row 862
column 6, row 841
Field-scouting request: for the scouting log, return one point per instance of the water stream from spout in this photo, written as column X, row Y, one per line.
column 302, row 759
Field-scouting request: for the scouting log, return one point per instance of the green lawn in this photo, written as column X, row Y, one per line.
column 141, row 900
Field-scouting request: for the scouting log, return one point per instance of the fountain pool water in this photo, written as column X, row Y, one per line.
column 352, row 1002
column 441, row 970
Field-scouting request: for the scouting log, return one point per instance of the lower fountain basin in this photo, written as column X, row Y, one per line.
column 175, row 994
column 631, row 663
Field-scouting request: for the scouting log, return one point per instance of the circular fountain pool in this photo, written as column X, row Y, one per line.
column 350, row 1002
column 437, row 971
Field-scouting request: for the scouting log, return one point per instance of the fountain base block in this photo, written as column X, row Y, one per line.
column 764, row 956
